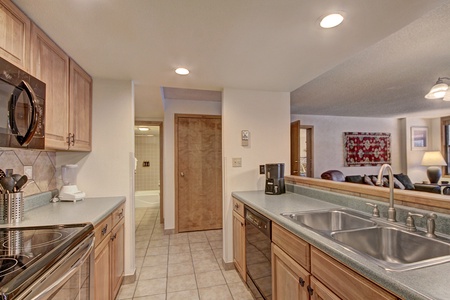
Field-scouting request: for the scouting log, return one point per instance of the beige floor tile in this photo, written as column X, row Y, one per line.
column 178, row 239
column 138, row 261
column 214, row 235
column 198, row 239
column 231, row 276
column 159, row 243
column 153, row 272
column 183, row 295
column 180, row 269
column 143, row 244
column 240, row 291
column 140, row 252
column 199, row 255
column 216, row 244
column 219, row 292
column 126, row 291
column 155, row 260
column 157, row 250
column 218, row 253
column 208, row 279
column 150, row 287
column 206, row 266
column 200, row 246
column 181, row 283
column 147, row 233
column 178, row 258
column 152, row 297
column 181, row 248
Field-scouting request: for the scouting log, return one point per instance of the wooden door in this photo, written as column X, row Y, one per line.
column 102, row 278
column 198, row 172
column 80, row 114
column 51, row 65
column 321, row 292
column 295, row 148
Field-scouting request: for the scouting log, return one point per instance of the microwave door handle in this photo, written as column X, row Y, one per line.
column 26, row 139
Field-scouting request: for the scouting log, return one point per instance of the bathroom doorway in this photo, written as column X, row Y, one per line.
column 148, row 171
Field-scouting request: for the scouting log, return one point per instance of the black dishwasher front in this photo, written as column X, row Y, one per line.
column 258, row 254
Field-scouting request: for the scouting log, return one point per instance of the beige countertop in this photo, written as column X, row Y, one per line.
column 89, row 210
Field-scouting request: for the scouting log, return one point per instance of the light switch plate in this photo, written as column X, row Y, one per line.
column 237, row 162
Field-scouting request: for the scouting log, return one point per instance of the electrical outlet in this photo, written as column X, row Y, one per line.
column 237, row 162
column 28, row 170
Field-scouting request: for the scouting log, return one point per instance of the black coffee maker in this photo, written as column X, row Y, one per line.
column 275, row 179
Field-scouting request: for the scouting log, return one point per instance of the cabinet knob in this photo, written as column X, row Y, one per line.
column 236, row 206
column 301, row 281
column 310, row 290
column 104, row 229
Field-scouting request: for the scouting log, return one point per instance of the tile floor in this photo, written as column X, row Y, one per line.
column 179, row 266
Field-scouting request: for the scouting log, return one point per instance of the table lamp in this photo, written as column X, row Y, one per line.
column 434, row 161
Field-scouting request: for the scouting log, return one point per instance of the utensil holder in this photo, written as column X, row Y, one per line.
column 11, row 208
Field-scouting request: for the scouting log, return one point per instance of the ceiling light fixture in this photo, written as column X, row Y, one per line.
column 439, row 90
column 182, row 71
column 144, row 129
column 331, row 20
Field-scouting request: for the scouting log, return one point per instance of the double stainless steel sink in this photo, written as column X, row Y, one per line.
column 390, row 246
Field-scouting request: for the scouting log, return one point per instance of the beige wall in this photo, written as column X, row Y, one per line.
column 43, row 165
column 147, row 149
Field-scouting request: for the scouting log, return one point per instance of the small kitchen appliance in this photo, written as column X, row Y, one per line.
column 275, row 179
column 69, row 191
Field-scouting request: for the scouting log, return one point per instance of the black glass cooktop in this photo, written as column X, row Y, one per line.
column 26, row 253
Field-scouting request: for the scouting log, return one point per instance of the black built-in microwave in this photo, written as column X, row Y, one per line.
column 22, row 108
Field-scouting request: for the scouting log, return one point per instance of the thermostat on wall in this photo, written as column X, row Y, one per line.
column 245, row 137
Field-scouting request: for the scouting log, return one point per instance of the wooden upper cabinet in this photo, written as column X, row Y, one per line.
column 14, row 35
column 80, row 112
column 50, row 64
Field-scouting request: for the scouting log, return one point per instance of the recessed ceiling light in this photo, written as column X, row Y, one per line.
column 144, row 129
column 182, row 71
column 331, row 21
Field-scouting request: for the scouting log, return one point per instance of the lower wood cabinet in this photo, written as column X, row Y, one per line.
column 289, row 279
column 109, row 255
column 301, row 271
column 239, row 238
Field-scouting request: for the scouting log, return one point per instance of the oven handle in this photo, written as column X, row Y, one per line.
column 58, row 283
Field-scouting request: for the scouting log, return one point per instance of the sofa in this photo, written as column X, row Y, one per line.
column 401, row 181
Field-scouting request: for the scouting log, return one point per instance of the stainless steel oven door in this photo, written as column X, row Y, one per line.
column 69, row 279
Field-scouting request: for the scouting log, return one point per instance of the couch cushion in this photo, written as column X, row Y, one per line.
column 367, row 180
column 334, row 175
column 354, row 179
column 398, row 184
column 404, row 179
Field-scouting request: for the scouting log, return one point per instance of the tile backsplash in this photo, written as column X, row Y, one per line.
column 43, row 165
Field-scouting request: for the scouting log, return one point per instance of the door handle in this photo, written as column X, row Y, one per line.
column 182, row 174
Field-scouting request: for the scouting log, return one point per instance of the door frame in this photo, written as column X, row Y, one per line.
column 177, row 171
column 161, row 160
column 310, row 149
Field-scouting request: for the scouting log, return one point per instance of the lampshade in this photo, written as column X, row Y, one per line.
column 433, row 158
column 439, row 90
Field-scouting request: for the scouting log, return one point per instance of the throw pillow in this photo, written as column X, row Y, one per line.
column 404, row 179
column 398, row 184
column 354, row 179
column 367, row 180
column 385, row 182
column 374, row 180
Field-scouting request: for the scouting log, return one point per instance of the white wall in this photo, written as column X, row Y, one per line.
column 108, row 170
column 171, row 108
column 415, row 171
column 266, row 115
column 329, row 141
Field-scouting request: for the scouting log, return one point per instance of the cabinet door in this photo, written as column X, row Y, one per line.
column 289, row 280
column 321, row 292
column 239, row 244
column 117, row 257
column 51, row 65
column 80, row 103
column 102, row 271
column 14, row 35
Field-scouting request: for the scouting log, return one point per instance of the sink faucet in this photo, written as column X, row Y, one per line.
column 391, row 210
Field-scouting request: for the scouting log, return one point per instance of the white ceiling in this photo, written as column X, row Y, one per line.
column 379, row 62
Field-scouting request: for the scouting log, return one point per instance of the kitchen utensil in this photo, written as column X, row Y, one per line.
column 8, row 183
column 8, row 172
column 16, row 177
column 21, row 182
